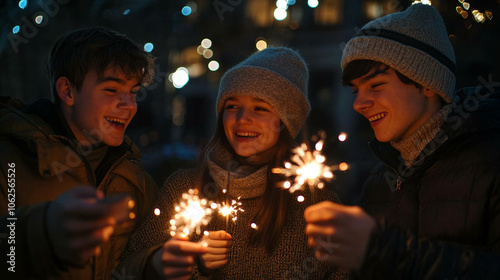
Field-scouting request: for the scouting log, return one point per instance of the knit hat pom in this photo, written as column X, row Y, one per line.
column 279, row 76
column 413, row 42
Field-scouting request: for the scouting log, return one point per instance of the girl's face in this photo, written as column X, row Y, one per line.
column 252, row 127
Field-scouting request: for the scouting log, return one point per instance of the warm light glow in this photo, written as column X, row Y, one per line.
column 261, row 44
column 213, row 65
column 206, row 43
column 207, row 53
column 157, row 211
column 227, row 210
column 342, row 137
column 308, row 168
column 191, row 213
column 343, row 166
column 254, row 225
column 425, row 2
column 300, row 198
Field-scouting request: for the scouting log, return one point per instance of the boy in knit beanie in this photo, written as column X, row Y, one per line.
column 431, row 208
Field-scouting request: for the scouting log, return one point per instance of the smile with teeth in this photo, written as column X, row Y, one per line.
column 247, row 134
column 115, row 121
column 377, row 117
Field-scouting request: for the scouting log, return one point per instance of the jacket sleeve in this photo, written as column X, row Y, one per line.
column 396, row 254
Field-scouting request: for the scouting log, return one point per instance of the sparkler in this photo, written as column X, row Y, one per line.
column 191, row 213
column 226, row 209
column 309, row 168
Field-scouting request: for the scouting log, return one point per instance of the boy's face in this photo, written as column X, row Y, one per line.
column 103, row 108
column 395, row 110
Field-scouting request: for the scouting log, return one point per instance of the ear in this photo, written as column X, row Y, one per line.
column 65, row 91
column 429, row 92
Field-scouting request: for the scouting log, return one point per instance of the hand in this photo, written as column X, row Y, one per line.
column 175, row 260
column 339, row 233
column 77, row 224
column 218, row 245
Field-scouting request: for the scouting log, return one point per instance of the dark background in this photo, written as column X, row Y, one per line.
column 173, row 124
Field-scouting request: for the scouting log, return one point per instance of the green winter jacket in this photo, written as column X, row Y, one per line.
column 38, row 162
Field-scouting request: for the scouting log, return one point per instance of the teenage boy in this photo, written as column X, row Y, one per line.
column 431, row 208
column 67, row 170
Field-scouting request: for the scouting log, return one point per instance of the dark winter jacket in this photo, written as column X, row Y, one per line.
column 440, row 217
column 38, row 162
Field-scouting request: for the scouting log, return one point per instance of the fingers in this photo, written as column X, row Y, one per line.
column 219, row 235
column 179, row 245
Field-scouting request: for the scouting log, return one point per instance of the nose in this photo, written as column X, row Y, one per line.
column 244, row 115
column 127, row 101
column 362, row 102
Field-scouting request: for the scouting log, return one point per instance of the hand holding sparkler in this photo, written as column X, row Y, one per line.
column 338, row 233
column 218, row 246
column 176, row 258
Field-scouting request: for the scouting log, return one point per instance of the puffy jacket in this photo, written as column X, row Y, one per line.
column 47, row 164
column 440, row 217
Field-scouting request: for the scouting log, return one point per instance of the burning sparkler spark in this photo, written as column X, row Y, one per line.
column 227, row 210
column 309, row 168
column 191, row 213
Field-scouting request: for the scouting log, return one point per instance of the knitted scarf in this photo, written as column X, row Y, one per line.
column 245, row 180
column 411, row 146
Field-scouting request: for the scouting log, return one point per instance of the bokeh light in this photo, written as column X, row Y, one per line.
column 342, row 137
column 213, row 65
column 186, row 11
column 16, row 29
column 23, row 4
column 148, row 47
column 207, row 53
column 300, row 198
column 180, row 77
column 280, row 14
column 126, row 12
column 261, row 44
column 312, row 3
column 39, row 19
column 206, row 43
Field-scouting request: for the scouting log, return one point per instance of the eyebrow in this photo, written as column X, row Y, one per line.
column 379, row 71
column 115, row 79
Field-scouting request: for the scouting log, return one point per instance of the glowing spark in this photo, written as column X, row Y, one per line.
column 309, row 168
column 300, row 198
column 227, row 210
column 157, row 211
column 342, row 137
column 254, row 225
column 191, row 213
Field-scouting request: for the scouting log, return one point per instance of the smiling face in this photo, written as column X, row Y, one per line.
column 101, row 110
column 395, row 109
column 252, row 127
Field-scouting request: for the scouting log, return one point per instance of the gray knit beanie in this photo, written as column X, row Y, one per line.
column 278, row 76
column 413, row 42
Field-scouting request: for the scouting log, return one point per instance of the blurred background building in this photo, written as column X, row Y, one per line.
column 196, row 41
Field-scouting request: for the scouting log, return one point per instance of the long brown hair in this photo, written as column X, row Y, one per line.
column 271, row 213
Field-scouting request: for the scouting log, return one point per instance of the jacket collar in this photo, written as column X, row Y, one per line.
column 474, row 110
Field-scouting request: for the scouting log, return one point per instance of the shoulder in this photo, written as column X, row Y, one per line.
column 177, row 184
